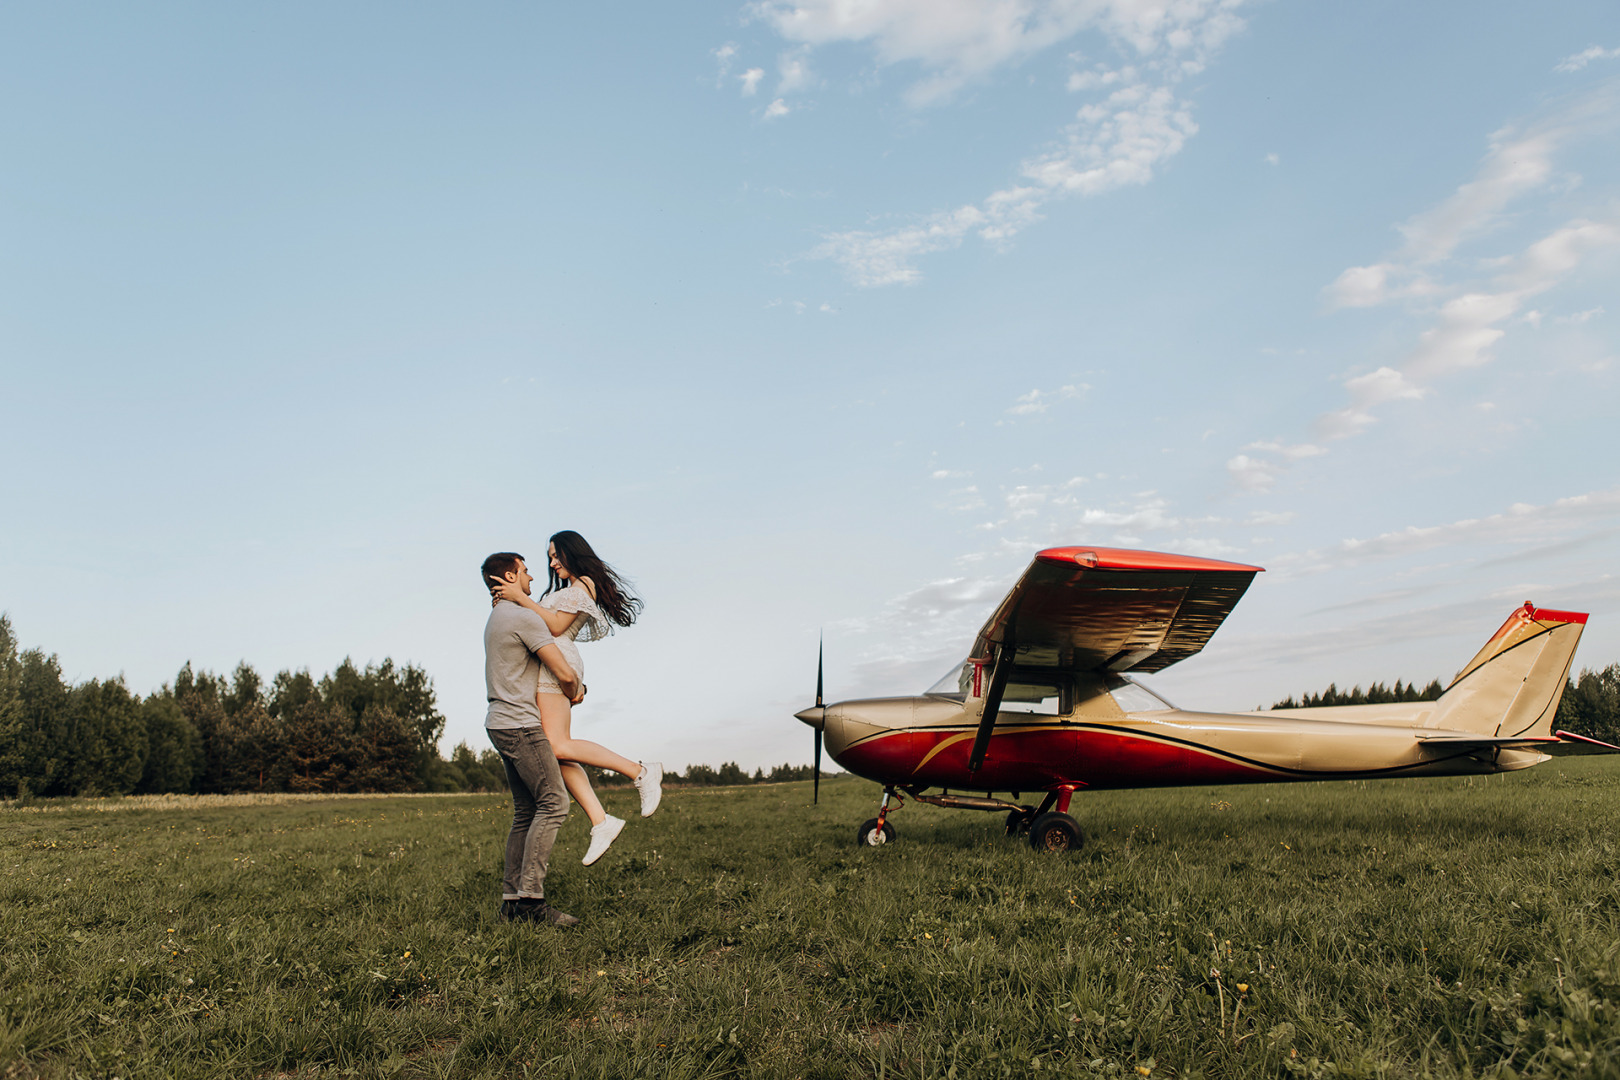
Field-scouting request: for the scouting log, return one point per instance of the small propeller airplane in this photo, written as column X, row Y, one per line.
column 1045, row 703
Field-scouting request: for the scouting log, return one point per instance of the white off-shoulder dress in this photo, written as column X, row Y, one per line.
column 589, row 625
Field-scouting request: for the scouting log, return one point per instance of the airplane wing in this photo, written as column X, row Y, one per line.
column 1089, row 608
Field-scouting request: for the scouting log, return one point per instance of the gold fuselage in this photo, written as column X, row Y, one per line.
column 923, row 742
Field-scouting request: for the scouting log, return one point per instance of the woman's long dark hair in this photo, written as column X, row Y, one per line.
column 613, row 594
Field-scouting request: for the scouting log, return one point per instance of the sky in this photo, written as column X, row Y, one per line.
column 817, row 319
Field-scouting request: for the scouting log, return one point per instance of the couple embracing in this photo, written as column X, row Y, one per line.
column 533, row 677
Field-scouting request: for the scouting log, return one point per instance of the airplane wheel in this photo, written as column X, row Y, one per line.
column 1055, row 832
column 1017, row 822
column 868, row 836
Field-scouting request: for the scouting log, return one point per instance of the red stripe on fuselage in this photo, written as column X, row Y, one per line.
column 1040, row 757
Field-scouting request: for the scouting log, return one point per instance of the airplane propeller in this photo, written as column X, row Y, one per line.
column 816, row 717
column 815, row 796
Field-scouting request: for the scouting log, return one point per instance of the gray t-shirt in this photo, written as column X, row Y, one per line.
column 512, row 636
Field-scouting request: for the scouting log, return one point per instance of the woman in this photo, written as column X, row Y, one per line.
column 583, row 601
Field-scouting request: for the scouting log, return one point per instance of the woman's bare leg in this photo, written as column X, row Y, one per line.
column 579, row 786
column 557, row 716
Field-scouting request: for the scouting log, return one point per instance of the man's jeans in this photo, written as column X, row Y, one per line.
column 539, row 807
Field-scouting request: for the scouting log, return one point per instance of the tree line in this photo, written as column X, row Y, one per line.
column 354, row 729
column 1376, row 694
column 1590, row 705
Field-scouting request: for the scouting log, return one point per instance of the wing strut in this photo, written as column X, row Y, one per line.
column 1005, row 652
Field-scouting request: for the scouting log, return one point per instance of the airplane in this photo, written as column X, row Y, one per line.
column 1045, row 703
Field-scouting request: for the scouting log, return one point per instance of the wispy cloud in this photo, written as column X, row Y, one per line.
column 1399, row 625
column 1470, row 303
column 723, row 56
column 793, row 71
column 1467, row 327
column 1570, row 64
column 1259, row 473
column 1140, row 122
column 1529, row 527
column 1038, row 401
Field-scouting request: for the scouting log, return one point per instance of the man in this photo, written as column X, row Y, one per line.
column 516, row 643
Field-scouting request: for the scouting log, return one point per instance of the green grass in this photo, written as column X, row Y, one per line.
column 1404, row 928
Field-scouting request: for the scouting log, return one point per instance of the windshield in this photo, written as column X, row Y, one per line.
column 956, row 682
column 1132, row 696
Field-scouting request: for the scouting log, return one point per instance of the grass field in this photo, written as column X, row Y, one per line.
column 1403, row 928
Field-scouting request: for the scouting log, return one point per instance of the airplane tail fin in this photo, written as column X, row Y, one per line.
column 1513, row 685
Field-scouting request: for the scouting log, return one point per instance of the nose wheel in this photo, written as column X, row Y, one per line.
column 874, row 833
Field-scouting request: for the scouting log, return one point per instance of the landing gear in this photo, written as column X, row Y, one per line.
column 1048, row 826
column 874, row 833
column 1055, row 832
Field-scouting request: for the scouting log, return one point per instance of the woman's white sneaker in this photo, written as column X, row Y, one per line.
column 602, row 837
column 650, row 784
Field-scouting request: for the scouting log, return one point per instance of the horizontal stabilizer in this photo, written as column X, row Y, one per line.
column 1464, row 740
column 1571, row 743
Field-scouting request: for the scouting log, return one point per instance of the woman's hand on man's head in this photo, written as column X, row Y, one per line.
column 501, row 589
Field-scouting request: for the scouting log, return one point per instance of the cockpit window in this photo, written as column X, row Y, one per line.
column 1022, row 695
column 1133, row 697
column 1041, row 699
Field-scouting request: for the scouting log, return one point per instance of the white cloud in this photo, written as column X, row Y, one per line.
column 1252, row 474
column 750, row 81
column 1288, row 453
column 1519, row 524
column 1369, row 286
column 1101, row 77
column 776, row 108
column 956, row 41
column 723, row 56
column 1512, row 167
column 1258, row 474
column 1579, row 60
column 1467, row 327
column 1117, row 142
column 1038, row 401
column 1114, row 144
column 873, row 258
column 1273, row 159
column 794, row 70
column 1581, row 316
column 1148, row 516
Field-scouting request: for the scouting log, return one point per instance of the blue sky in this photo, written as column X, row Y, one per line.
column 812, row 318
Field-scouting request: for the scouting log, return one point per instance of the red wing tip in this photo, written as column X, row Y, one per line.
column 1100, row 558
column 1549, row 615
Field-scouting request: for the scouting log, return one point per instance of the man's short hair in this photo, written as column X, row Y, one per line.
column 498, row 565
